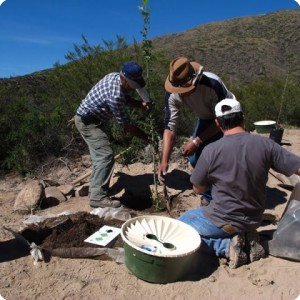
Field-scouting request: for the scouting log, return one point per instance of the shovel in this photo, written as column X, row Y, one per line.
column 167, row 198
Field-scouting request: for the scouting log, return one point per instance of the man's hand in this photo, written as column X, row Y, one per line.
column 161, row 173
column 71, row 123
column 148, row 105
column 189, row 148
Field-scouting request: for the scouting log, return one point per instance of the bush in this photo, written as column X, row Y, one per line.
column 36, row 108
column 276, row 100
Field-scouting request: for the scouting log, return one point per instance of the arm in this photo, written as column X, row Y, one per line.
column 198, row 189
column 209, row 132
column 216, row 93
column 172, row 108
column 138, row 104
column 191, row 146
column 117, row 106
column 137, row 132
column 167, row 147
column 199, row 177
column 294, row 194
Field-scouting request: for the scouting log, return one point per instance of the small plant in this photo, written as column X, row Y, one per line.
column 147, row 54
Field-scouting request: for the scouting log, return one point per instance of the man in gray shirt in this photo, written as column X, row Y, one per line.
column 236, row 168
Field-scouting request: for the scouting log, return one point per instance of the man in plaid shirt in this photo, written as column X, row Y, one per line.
column 106, row 100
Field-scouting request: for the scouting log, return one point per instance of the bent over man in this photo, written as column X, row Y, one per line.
column 106, row 100
column 189, row 87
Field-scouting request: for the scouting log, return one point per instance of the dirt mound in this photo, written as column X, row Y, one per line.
column 67, row 231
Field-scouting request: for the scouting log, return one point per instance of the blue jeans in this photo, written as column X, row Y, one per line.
column 201, row 126
column 213, row 239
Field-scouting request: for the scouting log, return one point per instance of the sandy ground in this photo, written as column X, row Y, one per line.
column 63, row 278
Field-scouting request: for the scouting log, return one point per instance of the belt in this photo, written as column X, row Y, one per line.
column 89, row 119
column 229, row 228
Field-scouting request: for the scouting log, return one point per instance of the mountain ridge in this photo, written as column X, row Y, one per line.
column 241, row 48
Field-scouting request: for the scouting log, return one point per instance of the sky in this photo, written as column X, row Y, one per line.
column 36, row 34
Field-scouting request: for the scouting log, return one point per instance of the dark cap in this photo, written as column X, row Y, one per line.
column 133, row 74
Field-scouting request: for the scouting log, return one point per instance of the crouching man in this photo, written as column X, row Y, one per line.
column 236, row 168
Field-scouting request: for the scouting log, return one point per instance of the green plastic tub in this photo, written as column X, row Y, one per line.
column 169, row 258
column 264, row 126
column 157, row 269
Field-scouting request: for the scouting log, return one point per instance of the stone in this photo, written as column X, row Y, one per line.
column 54, row 196
column 30, row 197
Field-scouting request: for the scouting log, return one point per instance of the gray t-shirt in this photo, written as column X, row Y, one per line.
column 237, row 168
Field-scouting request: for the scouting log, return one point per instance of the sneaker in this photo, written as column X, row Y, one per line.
column 105, row 202
column 253, row 246
column 237, row 256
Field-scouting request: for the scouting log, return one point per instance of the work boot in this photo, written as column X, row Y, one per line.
column 105, row 202
column 237, row 256
column 253, row 247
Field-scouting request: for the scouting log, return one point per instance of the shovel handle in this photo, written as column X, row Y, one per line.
column 90, row 171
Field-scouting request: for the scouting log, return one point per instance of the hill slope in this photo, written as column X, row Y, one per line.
column 243, row 48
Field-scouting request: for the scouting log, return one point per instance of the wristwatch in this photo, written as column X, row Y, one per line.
column 195, row 142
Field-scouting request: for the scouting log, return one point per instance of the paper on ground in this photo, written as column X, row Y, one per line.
column 104, row 235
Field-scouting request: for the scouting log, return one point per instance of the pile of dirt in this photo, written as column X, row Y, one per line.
column 68, row 231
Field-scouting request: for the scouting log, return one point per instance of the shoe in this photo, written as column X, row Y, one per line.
column 237, row 256
column 253, row 247
column 105, row 202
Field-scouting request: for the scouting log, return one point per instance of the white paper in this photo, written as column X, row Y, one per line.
column 104, row 235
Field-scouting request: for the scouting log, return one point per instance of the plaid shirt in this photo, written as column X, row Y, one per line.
column 106, row 100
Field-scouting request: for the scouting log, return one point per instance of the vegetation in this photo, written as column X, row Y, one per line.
column 271, row 100
column 152, row 128
column 35, row 108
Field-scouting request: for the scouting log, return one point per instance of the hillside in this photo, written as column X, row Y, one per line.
column 243, row 48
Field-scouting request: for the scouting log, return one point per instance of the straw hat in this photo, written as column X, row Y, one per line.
column 183, row 75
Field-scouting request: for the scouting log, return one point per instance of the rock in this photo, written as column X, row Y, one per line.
column 86, row 161
column 294, row 179
column 54, row 196
column 30, row 197
column 82, row 190
column 67, row 190
column 49, row 182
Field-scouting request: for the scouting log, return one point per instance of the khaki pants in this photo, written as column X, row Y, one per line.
column 102, row 157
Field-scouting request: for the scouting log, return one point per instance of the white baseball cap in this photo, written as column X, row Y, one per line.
column 227, row 106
